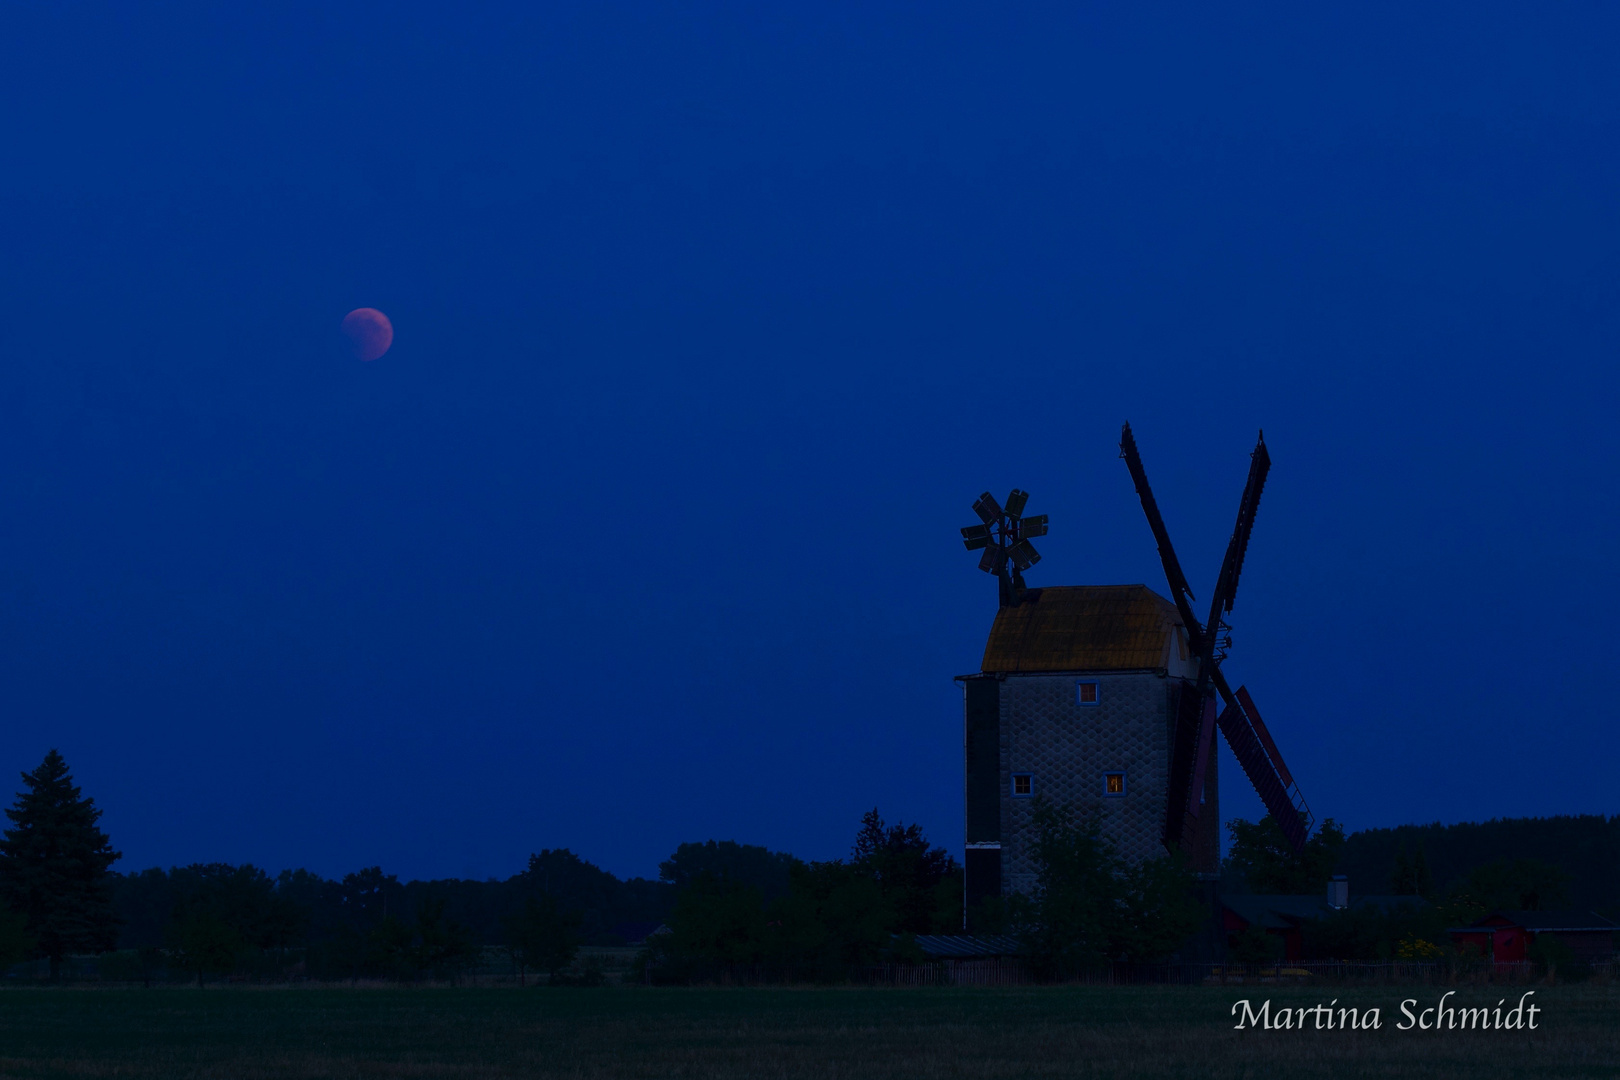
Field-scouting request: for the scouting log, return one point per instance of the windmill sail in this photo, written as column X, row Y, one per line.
column 1238, row 546
column 1294, row 796
column 1252, row 746
column 1185, row 793
column 1180, row 592
column 1239, row 722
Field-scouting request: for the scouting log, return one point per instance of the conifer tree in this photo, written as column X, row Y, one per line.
column 54, row 865
column 1422, row 880
column 1411, row 875
column 1400, row 879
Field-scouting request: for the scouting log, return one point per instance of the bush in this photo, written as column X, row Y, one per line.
column 1363, row 932
column 589, row 974
column 1255, row 946
column 16, row 944
column 1418, row 949
column 1090, row 906
column 834, row 916
column 1551, row 955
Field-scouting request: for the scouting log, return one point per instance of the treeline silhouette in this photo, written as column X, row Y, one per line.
column 1497, row 866
column 217, row 918
column 1585, row 847
column 723, row 903
column 297, row 907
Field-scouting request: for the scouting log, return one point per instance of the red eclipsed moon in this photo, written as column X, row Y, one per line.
column 369, row 332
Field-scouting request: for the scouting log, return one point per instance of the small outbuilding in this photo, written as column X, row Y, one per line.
column 1284, row 916
column 637, row 933
column 968, row 946
column 1281, row 916
column 1506, row 936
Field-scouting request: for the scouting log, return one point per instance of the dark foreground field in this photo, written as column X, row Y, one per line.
column 762, row 1033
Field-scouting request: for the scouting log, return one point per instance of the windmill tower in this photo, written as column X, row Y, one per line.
column 1105, row 698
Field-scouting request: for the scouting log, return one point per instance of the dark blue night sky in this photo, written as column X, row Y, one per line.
column 712, row 320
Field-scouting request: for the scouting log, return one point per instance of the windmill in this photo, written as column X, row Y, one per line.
column 1005, row 535
column 1197, row 718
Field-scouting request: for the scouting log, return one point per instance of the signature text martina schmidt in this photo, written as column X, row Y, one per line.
column 1438, row 1017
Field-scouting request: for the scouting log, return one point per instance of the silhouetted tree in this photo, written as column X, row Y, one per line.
column 440, row 946
column 1507, row 885
column 200, row 941
column 921, row 884
column 1586, row 847
column 1157, row 909
column 223, row 914
column 1264, row 857
column 603, row 900
column 386, row 948
column 1090, row 905
column 54, row 865
column 1069, row 919
column 144, row 901
column 768, row 871
column 542, row 936
column 718, row 919
column 15, row 942
column 429, row 944
column 834, row 918
column 835, row 915
column 365, row 896
column 1411, row 875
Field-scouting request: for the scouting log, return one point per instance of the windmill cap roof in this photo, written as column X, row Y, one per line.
column 1082, row 628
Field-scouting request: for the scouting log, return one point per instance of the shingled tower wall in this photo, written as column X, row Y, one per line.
column 1026, row 717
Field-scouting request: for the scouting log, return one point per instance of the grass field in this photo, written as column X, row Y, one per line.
column 856, row 1033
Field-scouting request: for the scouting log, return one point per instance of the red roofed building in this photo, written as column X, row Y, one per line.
column 1506, row 936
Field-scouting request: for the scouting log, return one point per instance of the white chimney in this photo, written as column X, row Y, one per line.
column 1338, row 892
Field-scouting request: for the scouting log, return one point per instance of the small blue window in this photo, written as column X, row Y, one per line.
column 1085, row 693
column 1113, row 785
column 1023, row 785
